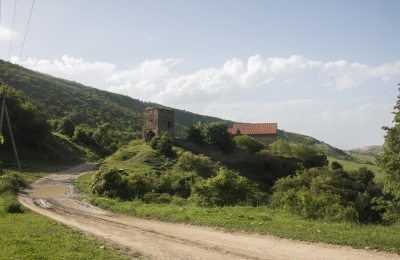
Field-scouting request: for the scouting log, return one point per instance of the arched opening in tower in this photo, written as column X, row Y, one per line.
column 149, row 136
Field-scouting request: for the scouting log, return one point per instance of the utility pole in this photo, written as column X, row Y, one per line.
column 4, row 108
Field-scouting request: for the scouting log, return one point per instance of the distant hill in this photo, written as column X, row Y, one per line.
column 368, row 150
column 57, row 98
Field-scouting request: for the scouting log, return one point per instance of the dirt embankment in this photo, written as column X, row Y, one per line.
column 54, row 197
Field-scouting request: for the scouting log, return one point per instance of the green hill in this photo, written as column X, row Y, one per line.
column 56, row 98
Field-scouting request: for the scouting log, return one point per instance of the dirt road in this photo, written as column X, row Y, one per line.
column 54, row 197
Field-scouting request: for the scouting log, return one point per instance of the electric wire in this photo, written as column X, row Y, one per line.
column 23, row 43
column 12, row 30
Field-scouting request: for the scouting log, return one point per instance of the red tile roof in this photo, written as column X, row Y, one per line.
column 254, row 129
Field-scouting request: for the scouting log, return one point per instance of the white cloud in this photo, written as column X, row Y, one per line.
column 301, row 95
column 5, row 34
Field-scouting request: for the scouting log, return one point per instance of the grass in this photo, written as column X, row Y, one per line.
column 354, row 166
column 32, row 236
column 264, row 220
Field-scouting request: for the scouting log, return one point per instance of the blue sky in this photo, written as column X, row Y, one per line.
column 327, row 69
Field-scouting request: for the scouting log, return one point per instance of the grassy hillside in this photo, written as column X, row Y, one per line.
column 57, row 98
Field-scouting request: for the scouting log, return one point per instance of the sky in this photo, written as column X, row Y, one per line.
column 326, row 69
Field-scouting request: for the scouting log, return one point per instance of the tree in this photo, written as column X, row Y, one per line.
column 194, row 133
column 389, row 161
column 217, row 133
column 66, row 127
column 246, row 142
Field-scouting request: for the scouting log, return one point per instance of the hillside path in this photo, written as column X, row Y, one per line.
column 57, row 199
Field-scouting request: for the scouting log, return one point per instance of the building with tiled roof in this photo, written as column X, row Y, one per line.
column 266, row 133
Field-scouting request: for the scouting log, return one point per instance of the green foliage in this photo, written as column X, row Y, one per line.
column 194, row 133
column 10, row 181
column 281, row 148
column 227, row 188
column 200, row 164
column 11, row 205
column 84, row 135
column 215, row 133
column 299, row 151
column 108, row 182
column 162, row 144
column 304, row 152
column 66, row 127
column 324, row 193
column 336, row 166
column 28, row 125
column 248, row 143
column 389, row 161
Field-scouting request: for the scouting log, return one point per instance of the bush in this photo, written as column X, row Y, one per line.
column 10, row 181
column 281, row 148
column 11, row 205
column 162, row 144
column 200, row 164
column 323, row 193
column 249, row 143
column 109, row 183
column 228, row 188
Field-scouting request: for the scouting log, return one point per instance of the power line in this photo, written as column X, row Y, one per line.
column 12, row 30
column 23, row 43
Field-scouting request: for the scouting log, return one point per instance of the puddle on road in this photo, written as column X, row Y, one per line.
column 69, row 202
column 48, row 191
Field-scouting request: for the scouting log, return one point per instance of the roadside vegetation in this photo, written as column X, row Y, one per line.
column 328, row 204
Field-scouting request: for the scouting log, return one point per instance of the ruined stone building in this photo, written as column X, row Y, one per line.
column 265, row 133
column 156, row 121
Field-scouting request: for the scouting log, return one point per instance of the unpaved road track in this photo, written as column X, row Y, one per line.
column 160, row 240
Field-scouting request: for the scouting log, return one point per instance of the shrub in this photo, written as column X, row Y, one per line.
column 200, row 164
column 162, row 144
column 10, row 181
column 336, row 166
column 109, row 183
column 323, row 193
column 281, row 148
column 11, row 205
column 228, row 188
column 248, row 143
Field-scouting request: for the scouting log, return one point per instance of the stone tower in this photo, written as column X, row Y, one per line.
column 156, row 121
